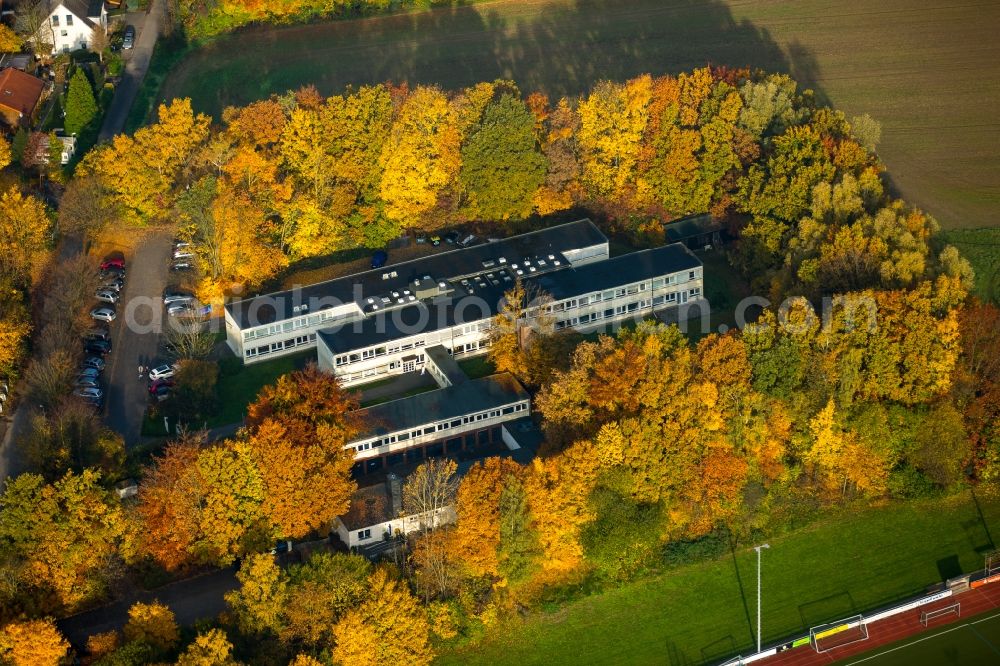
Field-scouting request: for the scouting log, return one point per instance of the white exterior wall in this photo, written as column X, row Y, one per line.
column 378, row 531
column 287, row 336
column 71, row 35
column 433, row 431
column 472, row 338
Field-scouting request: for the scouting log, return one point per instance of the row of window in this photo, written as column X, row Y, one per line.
column 55, row 21
column 274, row 347
column 288, row 325
column 611, row 313
column 440, row 427
column 619, row 292
column 388, row 350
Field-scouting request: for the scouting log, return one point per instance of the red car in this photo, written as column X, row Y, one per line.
column 112, row 263
column 155, row 386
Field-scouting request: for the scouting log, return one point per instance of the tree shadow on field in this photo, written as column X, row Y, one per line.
column 553, row 46
column 827, row 609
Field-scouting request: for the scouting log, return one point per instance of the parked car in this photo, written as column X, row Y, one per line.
column 114, row 283
column 107, row 296
column 180, row 310
column 178, row 243
column 89, row 392
column 467, row 241
column 83, row 381
column 164, row 371
column 128, row 37
column 451, row 237
column 85, row 371
column 379, row 259
column 113, row 274
column 183, row 253
column 103, row 313
column 162, row 393
column 421, row 238
column 95, row 362
column 97, row 334
column 171, row 297
column 160, row 383
column 97, row 348
column 181, row 265
column 435, row 240
column 109, row 264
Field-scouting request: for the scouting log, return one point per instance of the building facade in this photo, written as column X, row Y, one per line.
column 286, row 322
column 460, row 419
column 71, row 24
column 582, row 297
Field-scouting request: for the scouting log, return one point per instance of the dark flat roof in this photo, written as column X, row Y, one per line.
column 452, row 402
column 449, row 265
column 446, row 312
column 447, row 364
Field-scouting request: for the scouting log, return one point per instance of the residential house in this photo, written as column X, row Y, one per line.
column 71, row 24
column 19, row 95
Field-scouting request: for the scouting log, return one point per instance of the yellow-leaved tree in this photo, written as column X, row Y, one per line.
column 32, row 643
column 388, row 628
column 152, row 623
column 421, row 156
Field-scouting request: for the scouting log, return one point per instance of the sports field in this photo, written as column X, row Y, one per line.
column 927, row 70
column 975, row 642
column 703, row 613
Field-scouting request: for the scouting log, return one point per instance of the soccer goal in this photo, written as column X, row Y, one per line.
column 928, row 616
column 992, row 563
column 838, row 634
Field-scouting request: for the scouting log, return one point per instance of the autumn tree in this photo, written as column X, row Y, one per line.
column 24, row 235
column 152, row 624
column 299, row 427
column 10, row 41
column 389, row 627
column 420, row 157
column 428, row 493
column 67, row 537
column 32, row 643
column 321, row 591
column 475, row 542
column 209, row 648
column 262, row 595
column 72, row 437
column 612, row 121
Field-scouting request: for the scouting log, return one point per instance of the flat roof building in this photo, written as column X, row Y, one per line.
column 287, row 321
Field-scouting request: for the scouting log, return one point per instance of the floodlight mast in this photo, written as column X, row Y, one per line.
column 758, row 549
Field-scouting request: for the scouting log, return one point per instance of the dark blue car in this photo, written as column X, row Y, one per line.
column 379, row 259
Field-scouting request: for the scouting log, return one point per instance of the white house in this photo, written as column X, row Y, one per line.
column 71, row 23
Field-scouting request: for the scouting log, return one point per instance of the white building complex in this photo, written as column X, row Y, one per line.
column 383, row 322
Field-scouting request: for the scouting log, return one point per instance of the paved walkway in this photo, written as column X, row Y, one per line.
column 135, row 70
column 191, row 599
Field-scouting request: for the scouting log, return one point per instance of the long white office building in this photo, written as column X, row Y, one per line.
column 383, row 322
column 285, row 322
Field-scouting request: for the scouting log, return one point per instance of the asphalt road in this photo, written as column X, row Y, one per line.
column 136, row 64
column 191, row 599
column 135, row 336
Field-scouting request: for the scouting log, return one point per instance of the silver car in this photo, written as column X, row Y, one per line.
column 103, row 313
column 107, row 296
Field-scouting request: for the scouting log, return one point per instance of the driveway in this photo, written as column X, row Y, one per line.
column 136, row 335
column 191, row 599
column 136, row 64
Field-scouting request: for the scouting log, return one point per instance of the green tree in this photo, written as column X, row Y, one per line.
column 501, row 166
column 81, row 107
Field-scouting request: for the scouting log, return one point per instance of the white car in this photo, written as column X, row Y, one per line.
column 89, row 392
column 180, row 310
column 176, row 297
column 162, row 372
column 183, row 253
column 103, row 313
column 107, row 296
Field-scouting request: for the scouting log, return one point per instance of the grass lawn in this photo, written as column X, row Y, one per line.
column 982, row 248
column 940, row 139
column 477, row 366
column 239, row 384
column 701, row 613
